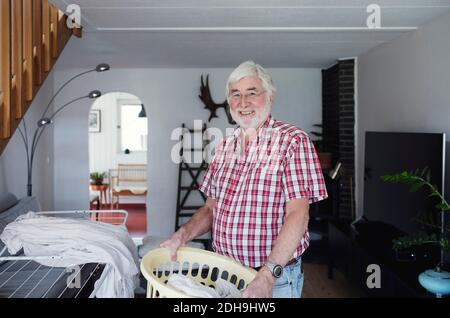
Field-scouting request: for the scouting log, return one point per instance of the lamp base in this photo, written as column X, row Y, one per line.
column 436, row 282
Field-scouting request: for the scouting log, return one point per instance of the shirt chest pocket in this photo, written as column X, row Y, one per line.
column 228, row 175
column 264, row 169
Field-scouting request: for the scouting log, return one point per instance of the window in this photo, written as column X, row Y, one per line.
column 133, row 129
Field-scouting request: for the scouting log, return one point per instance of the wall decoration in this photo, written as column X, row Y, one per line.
column 205, row 96
column 94, row 120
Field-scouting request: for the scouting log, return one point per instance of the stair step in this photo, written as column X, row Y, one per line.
column 193, row 149
column 196, row 130
column 188, row 188
column 194, row 169
column 183, row 215
column 192, row 207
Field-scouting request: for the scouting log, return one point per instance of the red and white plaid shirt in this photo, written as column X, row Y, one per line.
column 251, row 189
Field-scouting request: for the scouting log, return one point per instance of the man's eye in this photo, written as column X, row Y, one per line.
column 236, row 95
column 252, row 94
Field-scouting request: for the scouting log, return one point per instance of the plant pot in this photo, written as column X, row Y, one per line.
column 97, row 182
column 436, row 282
column 325, row 160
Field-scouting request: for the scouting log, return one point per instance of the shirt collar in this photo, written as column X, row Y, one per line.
column 268, row 123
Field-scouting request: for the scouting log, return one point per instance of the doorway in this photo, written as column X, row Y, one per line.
column 118, row 130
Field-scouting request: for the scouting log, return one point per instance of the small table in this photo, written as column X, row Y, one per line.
column 104, row 194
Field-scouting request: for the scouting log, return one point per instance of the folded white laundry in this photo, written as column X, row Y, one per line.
column 78, row 242
column 189, row 286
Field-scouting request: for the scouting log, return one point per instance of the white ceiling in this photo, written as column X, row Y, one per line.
column 212, row 33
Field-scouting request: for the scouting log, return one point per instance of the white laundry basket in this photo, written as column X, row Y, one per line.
column 202, row 266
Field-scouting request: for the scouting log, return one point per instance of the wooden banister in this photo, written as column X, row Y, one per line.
column 46, row 52
column 33, row 34
column 28, row 68
column 54, row 32
column 37, row 41
column 17, row 60
column 5, row 70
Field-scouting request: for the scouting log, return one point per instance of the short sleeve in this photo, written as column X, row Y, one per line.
column 207, row 185
column 303, row 177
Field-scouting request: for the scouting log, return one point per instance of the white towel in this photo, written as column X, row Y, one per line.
column 224, row 289
column 78, row 242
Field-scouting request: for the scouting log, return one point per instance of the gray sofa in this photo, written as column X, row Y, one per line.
column 28, row 279
column 11, row 208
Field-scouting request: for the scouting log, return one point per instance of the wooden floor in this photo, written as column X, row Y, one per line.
column 318, row 285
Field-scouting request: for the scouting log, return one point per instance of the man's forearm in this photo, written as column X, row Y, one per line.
column 291, row 234
column 199, row 224
column 294, row 227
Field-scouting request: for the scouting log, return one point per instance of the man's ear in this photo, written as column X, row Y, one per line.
column 271, row 99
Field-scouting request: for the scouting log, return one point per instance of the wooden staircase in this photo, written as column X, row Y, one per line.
column 33, row 34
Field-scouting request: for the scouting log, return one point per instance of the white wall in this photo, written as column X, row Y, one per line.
column 171, row 98
column 404, row 86
column 13, row 164
column 103, row 146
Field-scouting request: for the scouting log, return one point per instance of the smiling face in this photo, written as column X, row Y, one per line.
column 250, row 104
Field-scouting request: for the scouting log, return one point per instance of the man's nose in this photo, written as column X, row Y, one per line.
column 244, row 101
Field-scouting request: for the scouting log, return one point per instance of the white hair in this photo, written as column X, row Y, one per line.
column 250, row 68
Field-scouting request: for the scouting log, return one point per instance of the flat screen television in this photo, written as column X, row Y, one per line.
column 394, row 152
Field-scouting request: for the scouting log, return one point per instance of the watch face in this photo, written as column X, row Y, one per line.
column 277, row 271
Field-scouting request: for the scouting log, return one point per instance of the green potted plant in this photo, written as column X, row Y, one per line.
column 434, row 280
column 324, row 157
column 97, row 177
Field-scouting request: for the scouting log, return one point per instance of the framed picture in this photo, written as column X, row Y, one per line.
column 94, row 121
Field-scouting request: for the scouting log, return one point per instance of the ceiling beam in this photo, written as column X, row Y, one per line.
column 261, row 29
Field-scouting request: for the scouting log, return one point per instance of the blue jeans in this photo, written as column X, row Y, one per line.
column 290, row 284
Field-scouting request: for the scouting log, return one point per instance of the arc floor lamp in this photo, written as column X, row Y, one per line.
column 45, row 120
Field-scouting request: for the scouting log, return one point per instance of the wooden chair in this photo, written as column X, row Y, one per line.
column 94, row 199
column 129, row 180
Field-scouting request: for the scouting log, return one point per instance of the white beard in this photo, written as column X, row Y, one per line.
column 255, row 122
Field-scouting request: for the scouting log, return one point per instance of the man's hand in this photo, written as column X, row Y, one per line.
column 173, row 244
column 199, row 224
column 261, row 286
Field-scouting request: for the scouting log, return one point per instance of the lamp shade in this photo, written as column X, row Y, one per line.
column 103, row 67
column 44, row 122
column 142, row 113
column 95, row 94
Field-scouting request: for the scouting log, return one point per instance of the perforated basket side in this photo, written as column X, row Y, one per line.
column 203, row 266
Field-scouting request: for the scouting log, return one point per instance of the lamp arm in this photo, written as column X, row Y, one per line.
column 24, row 135
column 25, row 142
column 62, row 87
column 40, row 130
column 34, row 144
column 67, row 104
column 25, row 130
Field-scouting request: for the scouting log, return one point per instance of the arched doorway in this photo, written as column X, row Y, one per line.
column 118, row 129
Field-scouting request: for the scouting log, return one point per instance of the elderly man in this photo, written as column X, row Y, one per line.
column 259, row 185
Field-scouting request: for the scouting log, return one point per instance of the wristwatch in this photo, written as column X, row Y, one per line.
column 275, row 269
